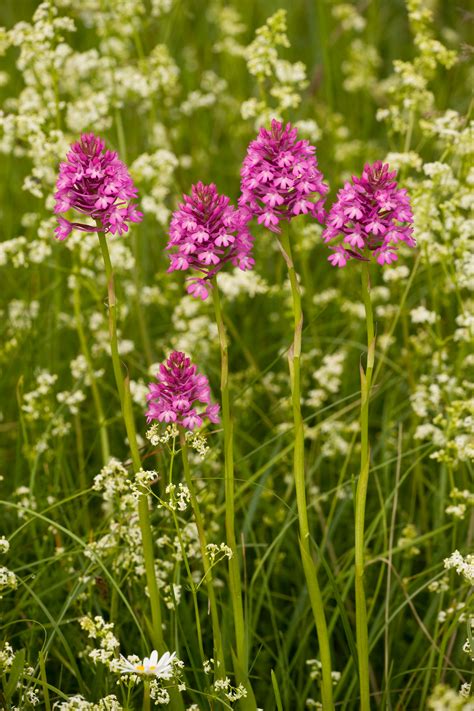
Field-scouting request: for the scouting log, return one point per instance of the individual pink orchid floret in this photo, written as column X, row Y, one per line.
column 370, row 216
column 177, row 392
column 206, row 233
column 280, row 178
column 94, row 182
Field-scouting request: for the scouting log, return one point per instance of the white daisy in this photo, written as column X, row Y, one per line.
column 151, row 666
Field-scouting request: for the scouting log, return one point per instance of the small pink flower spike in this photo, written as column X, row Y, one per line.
column 280, row 178
column 176, row 393
column 371, row 215
column 206, row 233
column 94, row 182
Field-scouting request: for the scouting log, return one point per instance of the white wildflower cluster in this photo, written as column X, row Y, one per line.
column 211, row 90
column 21, row 252
column 455, row 609
column 83, row 246
column 362, row 59
column 194, row 330
column 179, row 497
column 463, row 565
column 156, row 435
column 43, row 414
column 315, row 671
column 407, row 89
column 231, row 693
column 25, row 499
column 208, row 665
column 465, row 323
column 451, row 130
column 154, row 175
column 8, row 580
column 280, row 81
column 422, row 315
column 348, row 18
column 444, row 228
column 80, row 370
column 28, row 694
column 396, row 274
column 311, row 130
column 443, row 698
column 229, row 25
column 98, row 324
column 121, row 544
column 463, row 501
column 335, row 436
column 71, row 399
column 144, row 478
column 4, row 545
column 446, row 406
column 197, row 442
column 327, row 376
column 218, row 552
column 7, row 655
column 158, row 693
column 79, row 703
column 236, row 283
column 112, row 481
column 103, row 633
column 35, row 403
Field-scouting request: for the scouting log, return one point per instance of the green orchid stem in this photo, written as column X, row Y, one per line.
column 104, row 437
column 309, row 567
column 127, row 413
column 229, row 485
column 216, row 630
column 361, row 496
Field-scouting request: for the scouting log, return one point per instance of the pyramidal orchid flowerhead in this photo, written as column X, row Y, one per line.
column 371, row 216
column 280, row 178
column 94, row 182
column 177, row 393
column 207, row 232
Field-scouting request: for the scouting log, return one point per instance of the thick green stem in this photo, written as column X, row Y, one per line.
column 146, row 695
column 104, row 438
column 126, row 405
column 309, row 567
column 234, row 567
column 216, row 630
column 361, row 495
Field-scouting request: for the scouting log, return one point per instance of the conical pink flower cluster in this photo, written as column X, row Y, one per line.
column 96, row 183
column 208, row 232
column 372, row 215
column 178, row 389
column 280, row 178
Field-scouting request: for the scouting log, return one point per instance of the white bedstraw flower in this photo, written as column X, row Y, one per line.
column 161, row 668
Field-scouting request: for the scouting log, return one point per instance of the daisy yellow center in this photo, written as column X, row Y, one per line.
column 140, row 667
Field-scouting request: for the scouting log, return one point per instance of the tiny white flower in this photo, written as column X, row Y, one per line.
column 161, row 668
